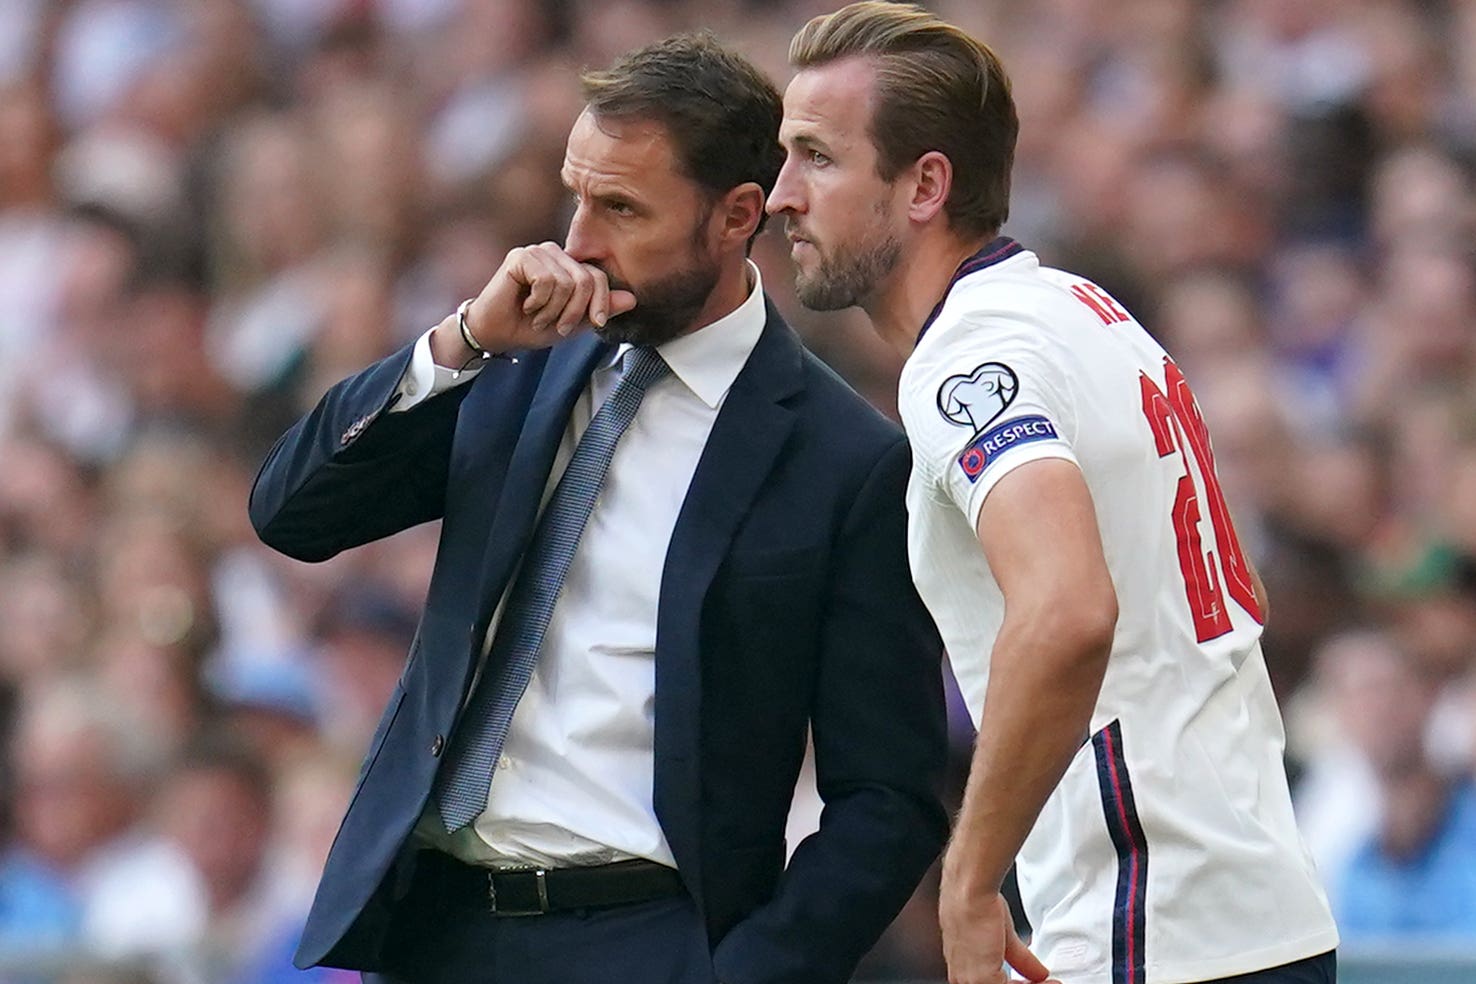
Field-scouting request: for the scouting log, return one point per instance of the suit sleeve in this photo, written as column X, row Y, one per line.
column 349, row 472
column 880, row 739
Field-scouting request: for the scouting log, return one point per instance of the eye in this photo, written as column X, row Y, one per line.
column 817, row 158
column 620, row 208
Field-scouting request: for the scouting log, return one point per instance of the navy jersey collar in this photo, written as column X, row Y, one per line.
column 997, row 250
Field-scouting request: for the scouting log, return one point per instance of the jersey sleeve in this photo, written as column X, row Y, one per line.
column 980, row 401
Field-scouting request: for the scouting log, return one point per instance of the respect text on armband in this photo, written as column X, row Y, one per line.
column 987, row 445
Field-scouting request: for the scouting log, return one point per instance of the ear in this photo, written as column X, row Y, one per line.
column 932, row 180
column 738, row 213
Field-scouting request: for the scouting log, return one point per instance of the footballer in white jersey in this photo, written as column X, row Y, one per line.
column 1068, row 533
column 1168, row 851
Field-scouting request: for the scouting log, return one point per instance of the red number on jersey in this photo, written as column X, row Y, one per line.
column 1178, row 425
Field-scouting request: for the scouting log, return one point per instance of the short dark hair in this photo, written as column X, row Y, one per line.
column 721, row 112
column 937, row 88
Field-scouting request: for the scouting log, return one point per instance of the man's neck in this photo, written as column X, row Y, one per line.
column 899, row 309
column 728, row 294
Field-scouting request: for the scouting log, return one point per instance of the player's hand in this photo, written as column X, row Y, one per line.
column 979, row 939
column 538, row 296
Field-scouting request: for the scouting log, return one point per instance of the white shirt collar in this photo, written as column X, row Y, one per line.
column 708, row 360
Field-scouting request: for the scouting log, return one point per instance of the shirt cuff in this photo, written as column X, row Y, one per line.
column 424, row 379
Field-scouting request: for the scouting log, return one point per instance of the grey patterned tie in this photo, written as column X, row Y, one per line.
column 466, row 776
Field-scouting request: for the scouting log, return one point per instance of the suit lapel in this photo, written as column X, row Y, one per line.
column 751, row 429
column 565, row 375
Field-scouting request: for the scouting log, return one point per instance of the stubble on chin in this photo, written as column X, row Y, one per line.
column 624, row 329
column 819, row 294
column 847, row 279
column 664, row 310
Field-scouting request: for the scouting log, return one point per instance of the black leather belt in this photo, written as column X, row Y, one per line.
column 535, row 891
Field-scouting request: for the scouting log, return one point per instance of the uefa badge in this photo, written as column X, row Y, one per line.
column 972, row 462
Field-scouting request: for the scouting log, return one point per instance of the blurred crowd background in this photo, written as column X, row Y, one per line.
column 212, row 209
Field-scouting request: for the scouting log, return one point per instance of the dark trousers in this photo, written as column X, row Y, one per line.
column 1321, row 969
column 438, row 942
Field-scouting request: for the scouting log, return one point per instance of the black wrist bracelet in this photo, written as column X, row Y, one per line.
column 466, row 335
column 470, row 340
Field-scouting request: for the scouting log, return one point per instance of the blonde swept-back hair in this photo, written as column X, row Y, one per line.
column 937, row 89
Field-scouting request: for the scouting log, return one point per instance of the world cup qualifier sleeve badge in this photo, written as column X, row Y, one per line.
column 977, row 400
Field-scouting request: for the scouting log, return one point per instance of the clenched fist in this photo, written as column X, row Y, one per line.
column 538, row 296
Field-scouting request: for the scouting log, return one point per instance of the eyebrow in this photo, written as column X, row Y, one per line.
column 604, row 193
column 806, row 141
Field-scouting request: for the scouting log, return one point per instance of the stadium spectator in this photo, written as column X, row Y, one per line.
column 1414, row 875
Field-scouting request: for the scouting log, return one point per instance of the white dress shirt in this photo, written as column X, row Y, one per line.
column 573, row 785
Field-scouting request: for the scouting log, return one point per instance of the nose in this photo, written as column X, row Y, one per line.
column 581, row 243
column 785, row 197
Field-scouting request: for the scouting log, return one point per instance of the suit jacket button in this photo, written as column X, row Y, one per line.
column 438, row 746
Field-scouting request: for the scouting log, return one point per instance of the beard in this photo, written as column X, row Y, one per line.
column 846, row 276
column 665, row 307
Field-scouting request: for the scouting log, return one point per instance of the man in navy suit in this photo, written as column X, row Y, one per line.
column 670, row 547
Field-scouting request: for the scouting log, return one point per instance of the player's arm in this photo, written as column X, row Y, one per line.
column 1039, row 532
column 1259, row 587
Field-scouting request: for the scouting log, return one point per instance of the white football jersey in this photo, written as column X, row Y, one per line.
column 1168, row 853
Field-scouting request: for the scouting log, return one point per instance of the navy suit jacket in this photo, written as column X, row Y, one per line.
column 786, row 604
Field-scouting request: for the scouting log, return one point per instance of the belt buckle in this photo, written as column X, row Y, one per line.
column 540, row 881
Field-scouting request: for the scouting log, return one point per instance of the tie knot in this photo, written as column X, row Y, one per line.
column 643, row 366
